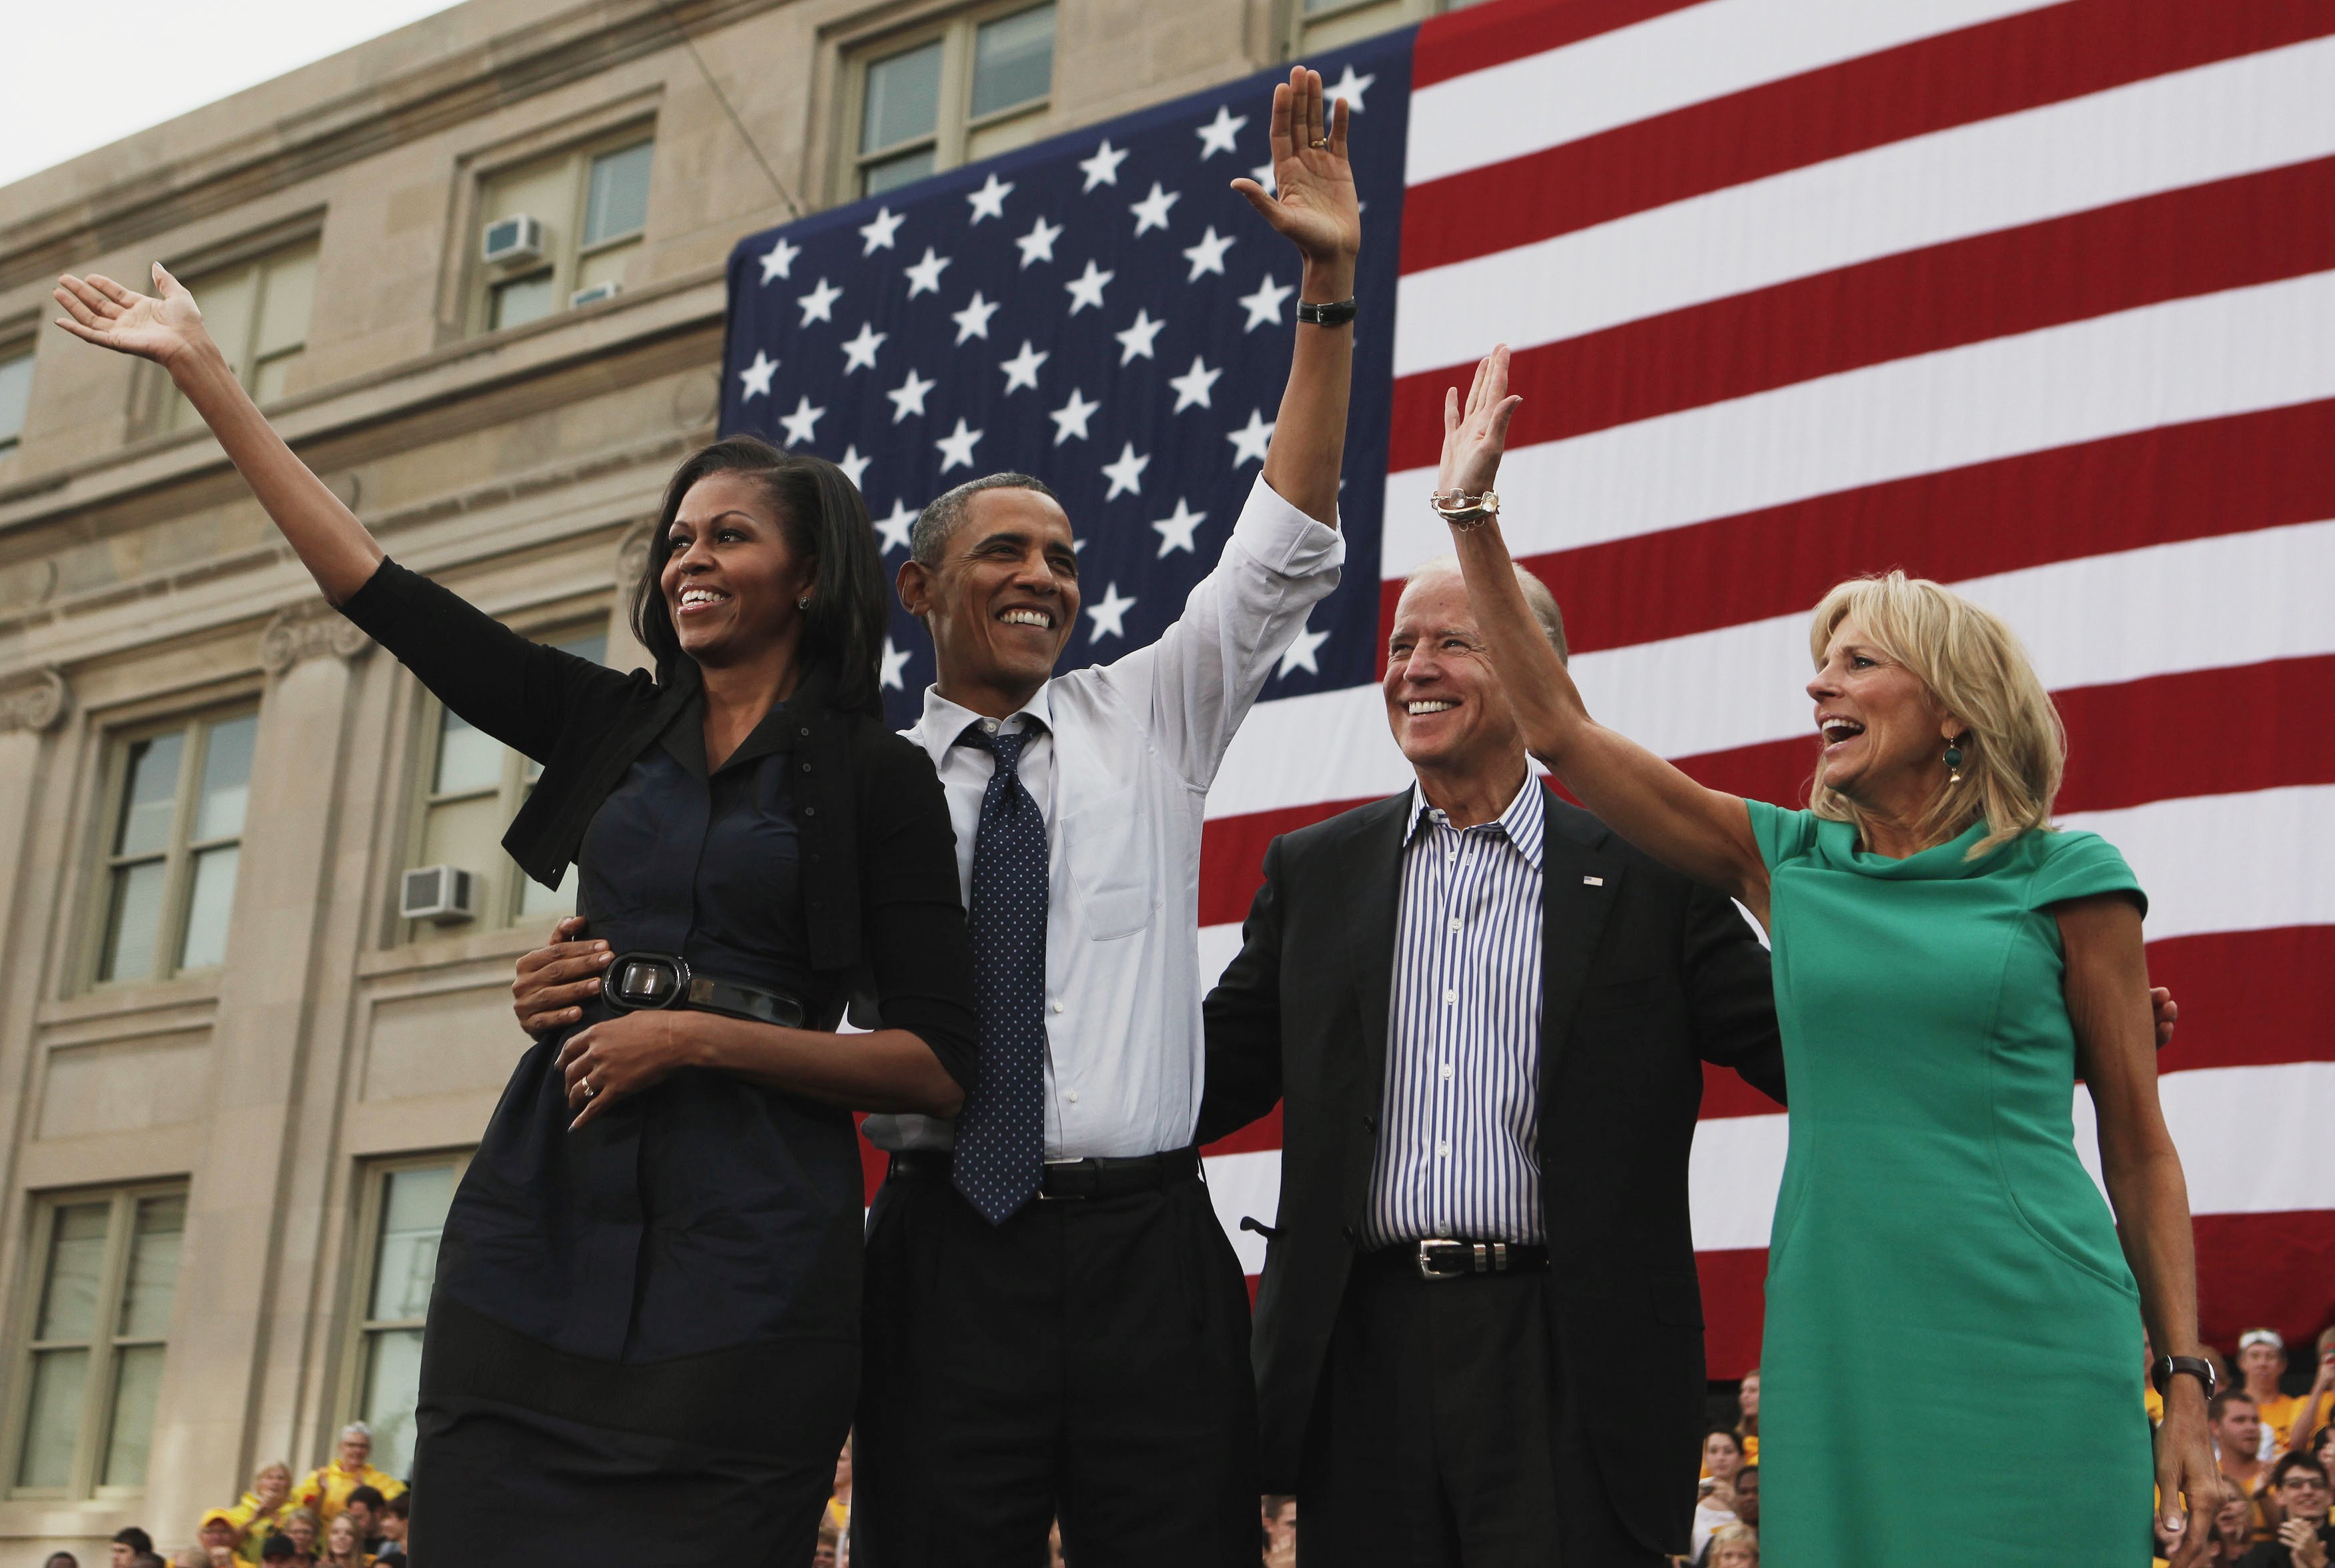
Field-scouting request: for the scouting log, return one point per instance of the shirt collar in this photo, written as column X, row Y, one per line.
column 1521, row 824
column 944, row 721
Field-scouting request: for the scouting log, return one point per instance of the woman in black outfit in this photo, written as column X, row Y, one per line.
column 643, row 1345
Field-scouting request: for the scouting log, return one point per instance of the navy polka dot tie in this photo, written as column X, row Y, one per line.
column 1001, row 1133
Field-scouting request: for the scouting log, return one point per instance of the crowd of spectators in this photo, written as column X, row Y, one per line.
column 2276, row 1448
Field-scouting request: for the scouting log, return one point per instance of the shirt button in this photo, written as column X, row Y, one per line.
column 1072, row 1097
column 1455, row 928
column 1058, row 1007
column 1447, row 1069
column 1442, row 1151
column 1442, row 1231
column 1451, row 997
column 989, row 726
column 1452, row 855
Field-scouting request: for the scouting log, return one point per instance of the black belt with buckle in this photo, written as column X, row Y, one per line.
column 1455, row 1259
column 642, row 981
column 1108, row 1177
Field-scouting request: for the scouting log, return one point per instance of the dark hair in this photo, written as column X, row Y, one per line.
column 278, row 1546
column 941, row 516
column 369, row 1496
column 67, row 1558
column 825, row 518
column 1729, row 1433
column 398, row 1507
column 2290, row 1463
column 135, row 1538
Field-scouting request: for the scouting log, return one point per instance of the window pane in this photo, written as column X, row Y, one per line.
column 154, row 1267
column 405, row 1263
column 535, row 898
column 903, row 99
column 229, row 301
column 896, row 171
column 286, row 299
column 227, row 778
column 268, row 381
column 137, row 1376
column 521, row 301
column 392, row 1378
column 52, row 1418
column 468, row 759
column 618, row 200
column 76, row 1257
column 149, row 795
column 205, row 941
column 1012, row 60
column 16, row 394
column 132, row 925
column 134, row 922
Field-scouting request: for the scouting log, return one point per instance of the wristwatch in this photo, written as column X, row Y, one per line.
column 1464, row 511
column 2197, row 1367
column 1328, row 313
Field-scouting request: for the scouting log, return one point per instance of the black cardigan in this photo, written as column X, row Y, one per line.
column 865, row 796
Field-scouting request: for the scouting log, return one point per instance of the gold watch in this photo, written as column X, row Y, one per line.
column 1462, row 512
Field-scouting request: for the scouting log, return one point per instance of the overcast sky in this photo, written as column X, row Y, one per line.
column 74, row 77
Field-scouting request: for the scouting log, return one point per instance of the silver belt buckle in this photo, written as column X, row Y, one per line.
column 1472, row 1258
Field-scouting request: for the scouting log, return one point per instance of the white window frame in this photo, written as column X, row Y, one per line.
column 955, row 127
column 178, row 854
column 371, row 1189
column 105, row 1341
column 569, row 253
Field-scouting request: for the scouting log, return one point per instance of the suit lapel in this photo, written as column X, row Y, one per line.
column 1373, row 890
column 1578, row 888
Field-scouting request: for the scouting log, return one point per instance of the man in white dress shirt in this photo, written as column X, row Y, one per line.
column 1055, row 1322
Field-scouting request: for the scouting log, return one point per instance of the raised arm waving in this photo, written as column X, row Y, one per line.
column 167, row 327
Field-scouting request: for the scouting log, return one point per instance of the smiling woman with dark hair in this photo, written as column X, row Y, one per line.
column 643, row 1345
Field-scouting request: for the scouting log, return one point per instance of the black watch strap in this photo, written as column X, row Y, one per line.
column 1336, row 313
column 2197, row 1367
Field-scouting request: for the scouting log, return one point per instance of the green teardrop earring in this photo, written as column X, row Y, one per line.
column 1953, row 763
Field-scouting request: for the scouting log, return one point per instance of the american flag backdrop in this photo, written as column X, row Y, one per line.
column 2035, row 299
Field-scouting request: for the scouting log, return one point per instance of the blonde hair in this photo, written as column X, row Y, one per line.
column 2014, row 749
column 1734, row 1535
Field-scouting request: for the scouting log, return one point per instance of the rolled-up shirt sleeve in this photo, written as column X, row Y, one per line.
column 1192, row 688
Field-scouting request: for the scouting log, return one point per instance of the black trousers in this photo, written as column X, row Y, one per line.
column 1089, row 1359
column 1442, row 1436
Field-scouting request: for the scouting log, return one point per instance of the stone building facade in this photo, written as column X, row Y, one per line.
column 236, row 1086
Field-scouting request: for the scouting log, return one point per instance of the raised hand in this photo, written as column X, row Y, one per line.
column 1475, row 435
column 1314, row 201
column 163, row 326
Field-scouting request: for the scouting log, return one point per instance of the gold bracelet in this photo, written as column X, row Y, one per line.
column 1462, row 512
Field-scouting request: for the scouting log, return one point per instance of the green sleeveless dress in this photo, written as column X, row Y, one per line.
column 1952, row 1369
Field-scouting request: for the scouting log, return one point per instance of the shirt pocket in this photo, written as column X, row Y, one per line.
column 1108, row 848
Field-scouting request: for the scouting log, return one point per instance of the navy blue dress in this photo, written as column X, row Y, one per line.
column 642, row 1347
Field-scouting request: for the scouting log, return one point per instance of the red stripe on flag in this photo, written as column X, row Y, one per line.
column 2248, row 998
column 2224, row 476
column 2126, row 741
column 1232, row 856
column 1264, row 1133
column 1486, row 35
column 2177, row 245
column 1996, row 68
column 2276, row 1269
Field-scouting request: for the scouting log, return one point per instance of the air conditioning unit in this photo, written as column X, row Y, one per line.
column 442, row 894
column 512, row 239
column 596, row 294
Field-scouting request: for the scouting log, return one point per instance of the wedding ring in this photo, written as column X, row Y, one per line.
column 589, row 1090
column 1321, row 142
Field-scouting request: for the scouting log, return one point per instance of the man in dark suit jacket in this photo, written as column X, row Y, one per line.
column 1541, row 1401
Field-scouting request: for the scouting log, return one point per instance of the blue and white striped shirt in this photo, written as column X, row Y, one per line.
column 1458, row 1142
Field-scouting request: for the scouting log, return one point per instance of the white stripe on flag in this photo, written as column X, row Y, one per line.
column 2187, row 359
column 2257, row 861
column 1245, row 1187
column 1658, row 65
column 2215, row 603
column 2234, row 117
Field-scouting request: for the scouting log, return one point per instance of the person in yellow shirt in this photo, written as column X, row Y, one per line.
column 2261, row 1361
column 261, row 1513
column 2316, row 1408
column 326, row 1488
column 838, row 1504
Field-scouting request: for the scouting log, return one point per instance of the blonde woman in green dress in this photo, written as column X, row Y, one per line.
column 1947, row 1295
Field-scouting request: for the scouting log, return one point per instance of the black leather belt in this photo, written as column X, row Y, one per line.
column 640, row 981
column 1105, row 1178
column 1455, row 1259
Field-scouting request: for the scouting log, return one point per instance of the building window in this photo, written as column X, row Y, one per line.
column 476, row 785
column 109, row 1265
column 972, row 86
column 1317, row 24
column 15, row 395
column 561, row 230
column 174, row 836
column 257, row 312
column 404, row 1211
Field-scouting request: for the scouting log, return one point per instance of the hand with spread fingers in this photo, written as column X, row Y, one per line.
column 164, row 326
column 622, row 1056
column 556, row 979
column 1312, row 201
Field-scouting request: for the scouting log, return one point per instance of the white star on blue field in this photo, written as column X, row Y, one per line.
column 1102, row 311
